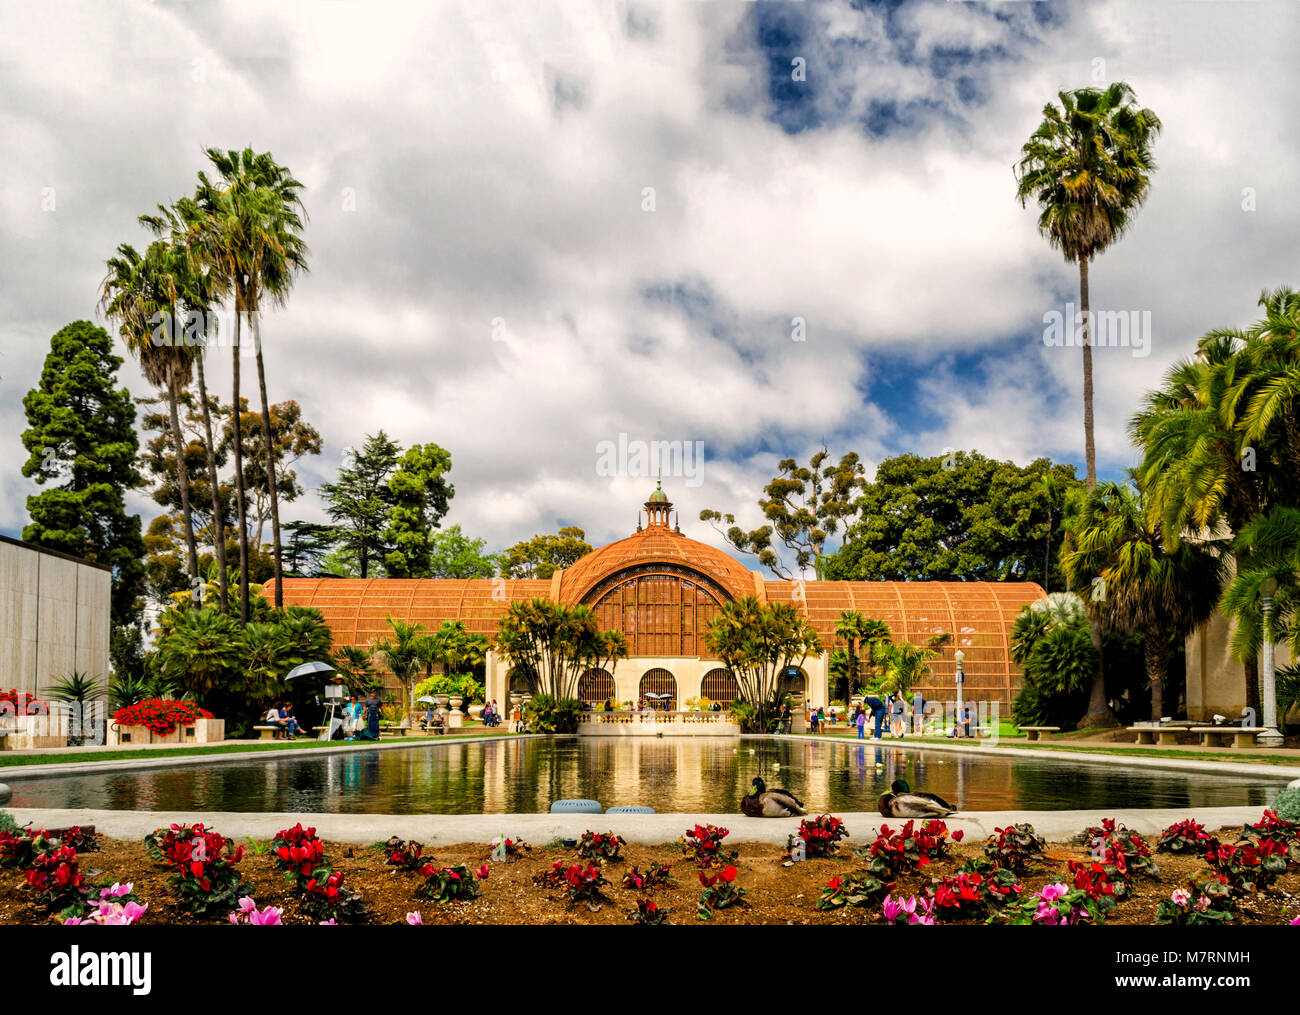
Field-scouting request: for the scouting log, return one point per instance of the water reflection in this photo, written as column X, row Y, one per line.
column 684, row 774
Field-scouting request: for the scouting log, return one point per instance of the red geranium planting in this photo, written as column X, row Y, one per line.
column 160, row 716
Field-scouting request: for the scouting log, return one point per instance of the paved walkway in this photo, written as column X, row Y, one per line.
column 471, row 731
column 539, row 829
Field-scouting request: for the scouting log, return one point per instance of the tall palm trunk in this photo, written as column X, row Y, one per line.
column 241, row 509
column 1157, row 666
column 1089, row 444
column 270, row 463
column 1099, row 714
column 218, row 523
column 183, row 481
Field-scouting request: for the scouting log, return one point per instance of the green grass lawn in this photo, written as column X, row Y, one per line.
column 10, row 760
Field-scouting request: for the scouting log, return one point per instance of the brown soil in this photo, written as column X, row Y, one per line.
column 776, row 894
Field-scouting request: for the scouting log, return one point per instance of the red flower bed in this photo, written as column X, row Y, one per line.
column 908, row 849
column 160, row 715
column 821, row 835
column 16, row 702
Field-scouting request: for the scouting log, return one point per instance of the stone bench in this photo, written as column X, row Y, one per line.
column 1033, row 733
column 1227, row 736
column 268, row 732
column 1165, row 736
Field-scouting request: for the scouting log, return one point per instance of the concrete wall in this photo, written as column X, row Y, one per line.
column 54, row 617
column 1216, row 683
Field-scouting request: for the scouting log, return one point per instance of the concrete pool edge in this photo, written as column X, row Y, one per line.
column 539, row 829
column 14, row 773
column 1279, row 773
column 1273, row 772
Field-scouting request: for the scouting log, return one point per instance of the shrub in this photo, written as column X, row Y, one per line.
column 648, row 913
column 1056, row 905
column 59, row 884
column 703, row 844
column 547, row 714
column 450, row 884
column 601, row 846
column 1287, row 804
column 821, row 835
column 908, row 849
column 1183, row 837
column 658, row 876
column 1207, row 899
column 1247, row 866
column 973, row 893
column 745, row 715
column 580, row 884
column 405, row 856
column 160, row 715
column 894, row 910
column 204, row 864
column 853, row 890
column 1017, row 848
column 1109, row 842
column 720, row 892
column 7, row 823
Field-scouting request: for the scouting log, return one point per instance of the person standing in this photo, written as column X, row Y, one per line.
column 861, row 720
column 374, row 709
column 918, row 713
column 877, row 713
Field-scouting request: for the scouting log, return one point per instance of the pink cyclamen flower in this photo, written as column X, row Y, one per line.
column 926, row 917
column 1180, row 897
column 329, row 923
column 1050, row 893
column 1295, row 922
column 415, row 919
column 269, row 917
column 116, row 891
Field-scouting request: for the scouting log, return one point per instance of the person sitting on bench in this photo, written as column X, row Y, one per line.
column 273, row 719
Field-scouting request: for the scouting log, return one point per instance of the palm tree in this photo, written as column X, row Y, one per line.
column 1194, row 471
column 1088, row 166
column 196, row 293
column 247, row 233
column 355, row 667
column 400, row 652
column 1160, row 591
column 201, row 649
column 860, row 635
column 137, row 294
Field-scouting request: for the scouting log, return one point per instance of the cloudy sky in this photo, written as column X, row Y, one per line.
column 535, row 226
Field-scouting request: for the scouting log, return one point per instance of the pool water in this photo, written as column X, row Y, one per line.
column 687, row 774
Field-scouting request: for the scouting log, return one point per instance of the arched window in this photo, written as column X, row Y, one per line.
column 794, row 681
column 596, row 686
column 660, row 614
column 720, row 686
column 659, row 688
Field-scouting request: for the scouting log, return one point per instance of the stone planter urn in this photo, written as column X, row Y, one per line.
column 475, row 712
column 516, row 699
column 456, row 719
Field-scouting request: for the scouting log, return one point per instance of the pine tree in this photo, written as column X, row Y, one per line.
column 359, row 502
column 81, row 436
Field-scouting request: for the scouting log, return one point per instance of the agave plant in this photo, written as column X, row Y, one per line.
column 76, row 687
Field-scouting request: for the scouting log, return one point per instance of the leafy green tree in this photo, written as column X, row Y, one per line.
column 1142, row 585
column 954, row 517
column 81, row 443
column 358, row 502
column 419, row 495
column 452, row 554
column 1051, row 642
column 1088, row 166
column 355, row 665
column 902, row 665
column 551, row 645
column 307, row 544
column 245, row 226
column 455, row 648
column 542, row 556
column 804, row 505
column 758, row 642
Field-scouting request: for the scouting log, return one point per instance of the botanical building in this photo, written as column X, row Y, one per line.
column 662, row 588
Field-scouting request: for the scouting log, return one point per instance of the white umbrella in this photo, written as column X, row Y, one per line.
column 309, row 669
column 431, row 701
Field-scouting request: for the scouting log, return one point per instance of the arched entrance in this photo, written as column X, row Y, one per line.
column 659, row 688
column 519, row 682
column 795, row 682
column 720, row 686
column 596, row 686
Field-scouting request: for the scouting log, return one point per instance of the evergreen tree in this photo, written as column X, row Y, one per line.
column 360, row 500
column 81, row 438
column 419, row 493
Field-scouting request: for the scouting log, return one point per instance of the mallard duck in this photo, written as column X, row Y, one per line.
column 903, row 802
column 770, row 803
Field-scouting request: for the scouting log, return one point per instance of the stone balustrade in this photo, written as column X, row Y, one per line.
column 657, row 723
